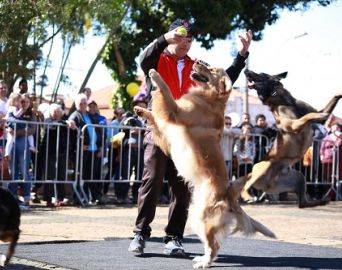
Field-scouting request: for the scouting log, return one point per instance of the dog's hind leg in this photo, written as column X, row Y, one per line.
column 211, row 245
column 208, row 222
column 332, row 103
column 295, row 181
column 260, row 171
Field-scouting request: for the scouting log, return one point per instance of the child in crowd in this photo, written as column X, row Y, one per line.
column 331, row 144
column 244, row 150
column 15, row 112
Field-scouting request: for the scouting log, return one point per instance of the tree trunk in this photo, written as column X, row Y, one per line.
column 93, row 65
column 119, row 60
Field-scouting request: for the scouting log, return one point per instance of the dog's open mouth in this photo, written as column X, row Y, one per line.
column 250, row 85
column 250, row 79
column 250, row 82
column 198, row 77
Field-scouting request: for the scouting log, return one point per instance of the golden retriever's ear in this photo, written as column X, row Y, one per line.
column 225, row 85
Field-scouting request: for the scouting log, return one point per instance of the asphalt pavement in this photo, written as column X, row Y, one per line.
column 235, row 253
column 98, row 238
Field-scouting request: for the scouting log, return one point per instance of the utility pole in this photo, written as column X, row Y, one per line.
column 246, row 101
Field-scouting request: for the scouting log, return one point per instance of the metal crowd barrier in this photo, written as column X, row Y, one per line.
column 319, row 179
column 39, row 166
column 261, row 146
column 121, row 161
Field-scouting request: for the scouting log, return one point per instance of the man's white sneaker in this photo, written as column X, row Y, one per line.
column 137, row 245
column 174, row 247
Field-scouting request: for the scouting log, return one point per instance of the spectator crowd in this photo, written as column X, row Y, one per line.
column 50, row 146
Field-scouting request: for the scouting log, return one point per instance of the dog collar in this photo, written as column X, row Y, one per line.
column 274, row 93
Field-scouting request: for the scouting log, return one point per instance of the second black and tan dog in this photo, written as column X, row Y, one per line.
column 9, row 223
column 293, row 119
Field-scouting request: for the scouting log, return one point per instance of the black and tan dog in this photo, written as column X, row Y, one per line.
column 9, row 223
column 293, row 119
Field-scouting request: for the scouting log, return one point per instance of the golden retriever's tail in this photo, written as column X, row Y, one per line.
column 244, row 223
column 248, row 225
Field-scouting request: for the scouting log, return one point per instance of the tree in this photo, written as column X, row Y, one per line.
column 212, row 20
column 105, row 17
column 129, row 25
column 25, row 26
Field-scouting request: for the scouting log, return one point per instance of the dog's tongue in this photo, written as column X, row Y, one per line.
column 198, row 77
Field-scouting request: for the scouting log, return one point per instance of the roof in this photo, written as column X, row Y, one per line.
column 103, row 99
column 104, row 95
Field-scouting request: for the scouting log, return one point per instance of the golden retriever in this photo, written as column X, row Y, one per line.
column 189, row 129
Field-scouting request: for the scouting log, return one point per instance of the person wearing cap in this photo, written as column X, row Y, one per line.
column 168, row 54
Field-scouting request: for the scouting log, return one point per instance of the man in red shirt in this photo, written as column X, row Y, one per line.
column 168, row 54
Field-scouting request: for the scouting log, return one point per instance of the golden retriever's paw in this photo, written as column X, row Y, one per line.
column 2, row 260
column 197, row 258
column 139, row 111
column 201, row 262
column 145, row 114
column 155, row 77
column 152, row 72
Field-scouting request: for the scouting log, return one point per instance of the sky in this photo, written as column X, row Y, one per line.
column 306, row 44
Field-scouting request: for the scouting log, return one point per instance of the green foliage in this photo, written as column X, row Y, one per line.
column 130, row 25
column 148, row 19
column 25, row 28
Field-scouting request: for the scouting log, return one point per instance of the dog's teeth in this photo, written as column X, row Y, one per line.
column 250, row 85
